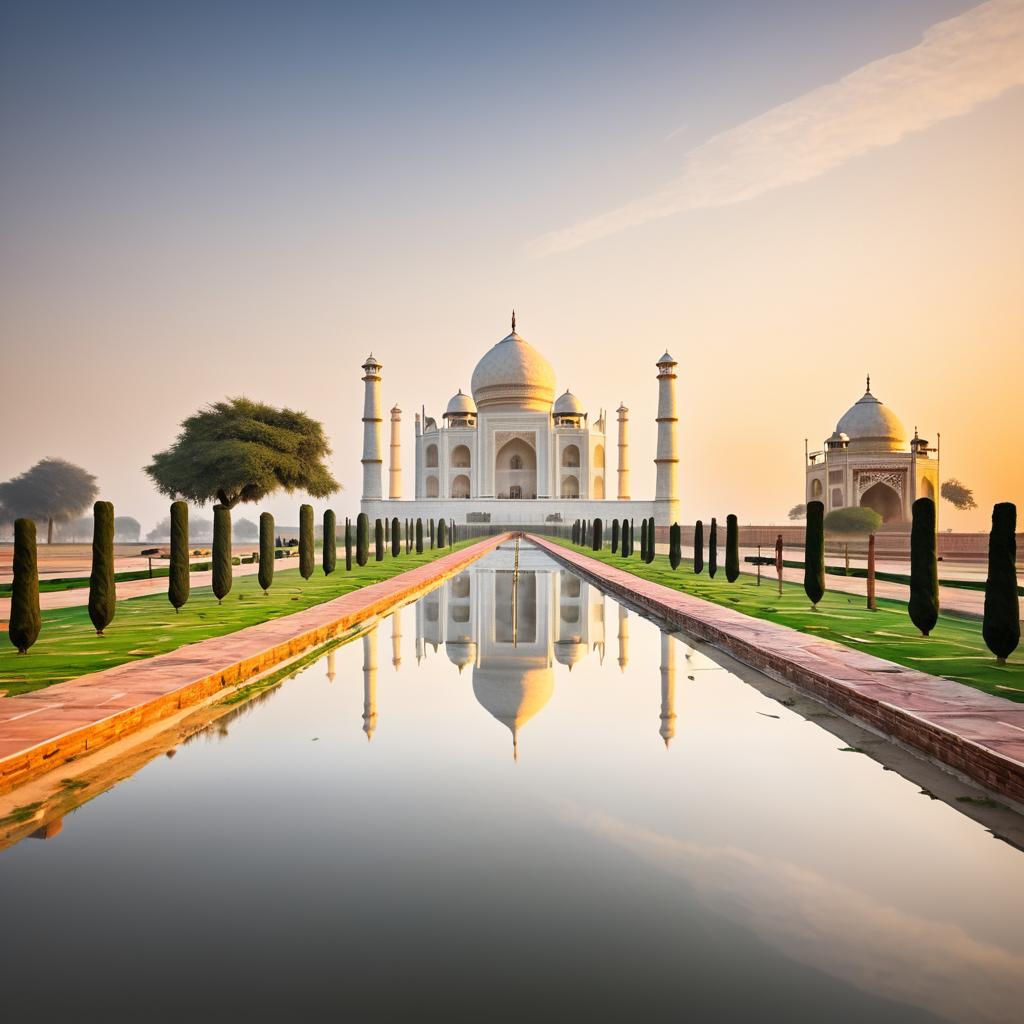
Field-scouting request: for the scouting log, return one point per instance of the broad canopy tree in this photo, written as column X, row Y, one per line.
column 242, row 451
column 52, row 491
column 958, row 495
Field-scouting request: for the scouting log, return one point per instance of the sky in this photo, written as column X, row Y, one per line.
column 200, row 200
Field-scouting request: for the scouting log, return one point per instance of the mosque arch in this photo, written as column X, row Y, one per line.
column 816, row 489
column 570, row 487
column 885, row 501
column 431, row 456
column 515, row 470
column 460, row 457
column 571, row 456
column 432, row 490
column 460, row 486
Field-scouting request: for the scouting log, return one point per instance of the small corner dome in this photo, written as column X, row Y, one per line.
column 568, row 405
column 872, row 426
column 461, row 405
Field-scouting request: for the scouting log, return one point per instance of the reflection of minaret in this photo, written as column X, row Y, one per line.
column 370, row 682
column 396, row 638
column 623, row 637
column 668, row 688
column 330, row 666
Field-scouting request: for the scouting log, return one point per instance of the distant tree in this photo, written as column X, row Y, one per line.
column 242, row 451
column 245, row 529
column 75, row 531
column 814, row 553
column 713, row 548
column 307, row 557
column 852, row 522
column 52, row 491
column 378, row 540
column 200, row 529
column 419, row 536
column 732, row 549
column 127, row 530
column 362, row 539
column 1001, row 625
column 615, row 536
column 958, row 495
column 430, row 531
column 396, row 538
column 25, row 619
column 222, row 562
column 598, row 541
column 268, row 551
column 102, row 595
column 576, row 532
column 798, row 512
column 675, row 554
column 923, row 606
column 698, row 547
column 178, row 581
column 330, row 551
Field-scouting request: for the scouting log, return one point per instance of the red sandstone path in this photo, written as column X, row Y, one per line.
column 976, row 734
column 41, row 731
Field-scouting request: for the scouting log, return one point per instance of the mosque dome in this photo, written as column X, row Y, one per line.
column 513, row 698
column 570, row 652
column 514, row 375
column 568, row 405
column 872, row 426
column 461, row 405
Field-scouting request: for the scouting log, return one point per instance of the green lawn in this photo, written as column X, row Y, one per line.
column 955, row 648
column 143, row 626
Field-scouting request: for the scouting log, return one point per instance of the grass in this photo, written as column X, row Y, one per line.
column 955, row 649
column 893, row 577
column 68, row 646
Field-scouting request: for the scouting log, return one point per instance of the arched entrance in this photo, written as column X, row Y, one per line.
column 885, row 501
column 515, row 470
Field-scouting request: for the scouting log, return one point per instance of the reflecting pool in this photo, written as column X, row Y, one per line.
column 562, row 813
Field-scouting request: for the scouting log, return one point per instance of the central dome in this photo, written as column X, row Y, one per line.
column 514, row 375
column 872, row 426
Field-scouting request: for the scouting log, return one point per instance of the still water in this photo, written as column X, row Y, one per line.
column 515, row 801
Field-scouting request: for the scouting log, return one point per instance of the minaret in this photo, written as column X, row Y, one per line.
column 668, row 688
column 623, row 452
column 667, row 461
column 623, row 637
column 395, row 471
column 396, row 638
column 370, row 682
column 371, row 431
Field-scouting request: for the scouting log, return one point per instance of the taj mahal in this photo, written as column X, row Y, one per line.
column 513, row 452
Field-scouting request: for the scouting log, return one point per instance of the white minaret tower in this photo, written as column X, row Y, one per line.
column 372, row 460
column 623, row 452
column 667, row 461
column 395, row 469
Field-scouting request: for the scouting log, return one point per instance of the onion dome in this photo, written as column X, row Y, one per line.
column 568, row 405
column 514, row 375
column 513, row 698
column 872, row 426
column 461, row 652
column 570, row 652
column 460, row 405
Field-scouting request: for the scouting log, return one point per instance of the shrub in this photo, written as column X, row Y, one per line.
column 26, row 620
column 306, row 555
column 102, row 595
column 378, row 540
column 396, row 538
column 178, row 582
column 419, row 536
column 1001, row 626
column 348, row 544
column 924, row 567
column 330, row 553
column 362, row 539
column 713, row 548
column 267, row 552
column 814, row 553
column 698, row 547
column 598, row 534
column 675, row 554
column 222, row 576
column 732, row 549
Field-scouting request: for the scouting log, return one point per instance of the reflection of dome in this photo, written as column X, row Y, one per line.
column 461, row 405
column 568, row 405
column 461, row 652
column 513, row 698
column 513, row 374
column 569, row 652
column 872, row 426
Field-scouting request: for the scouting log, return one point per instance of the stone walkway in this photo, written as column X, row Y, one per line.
column 975, row 734
column 42, row 730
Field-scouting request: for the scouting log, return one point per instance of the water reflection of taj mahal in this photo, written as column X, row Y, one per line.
column 509, row 628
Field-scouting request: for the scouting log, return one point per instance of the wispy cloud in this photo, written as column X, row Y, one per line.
column 958, row 64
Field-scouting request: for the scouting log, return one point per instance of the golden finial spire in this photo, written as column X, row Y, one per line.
column 869, row 384
column 513, row 321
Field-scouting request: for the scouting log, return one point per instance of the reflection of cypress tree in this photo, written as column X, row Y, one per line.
column 598, row 534
column 713, row 548
column 102, row 595
column 814, row 553
column 442, row 534
column 615, row 536
column 378, row 540
column 222, row 576
column 732, row 549
column 348, row 544
column 698, row 547
column 1001, row 627
column 675, row 555
column 362, row 539
column 26, row 621
column 330, row 554
column 267, row 551
column 419, row 536
column 924, row 567
column 396, row 538
column 178, row 582
column 306, row 555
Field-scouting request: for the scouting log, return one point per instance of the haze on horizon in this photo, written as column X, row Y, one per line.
column 247, row 199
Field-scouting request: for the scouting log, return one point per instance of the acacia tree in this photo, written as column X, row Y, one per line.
column 958, row 495
column 242, row 451
column 798, row 512
column 52, row 491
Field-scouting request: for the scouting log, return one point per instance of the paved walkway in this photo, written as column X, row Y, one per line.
column 976, row 734
column 41, row 731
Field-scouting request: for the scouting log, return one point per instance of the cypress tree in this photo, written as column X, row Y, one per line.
column 442, row 534
column 615, row 536
column 652, row 533
column 330, row 555
column 598, row 534
column 267, row 552
column 102, row 595
column 576, row 531
column 732, row 549
column 396, row 538
column 222, row 575
column 643, row 540
column 430, row 531
column 26, row 621
column 924, row 567
column 348, row 544
column 713, row 548
column 306, row 555
column 378, row 540
column 178, row 582
column 362, row 539
column 626, row 541
column 698, row 547
column 1001, row 626
column 814, row 553
column 675, row 554
column 419, row 536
